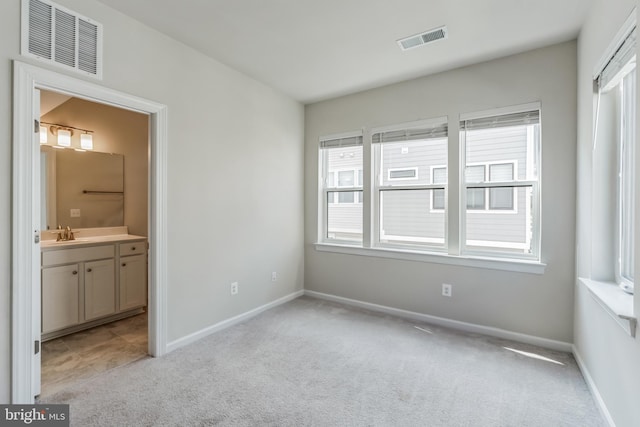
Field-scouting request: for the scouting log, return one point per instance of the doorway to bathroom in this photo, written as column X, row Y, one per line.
column 94, row 168
column 29, row 82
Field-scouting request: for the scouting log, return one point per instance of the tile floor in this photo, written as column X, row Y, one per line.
column 77, row 357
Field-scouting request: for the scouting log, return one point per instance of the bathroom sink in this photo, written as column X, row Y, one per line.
column 65, row 242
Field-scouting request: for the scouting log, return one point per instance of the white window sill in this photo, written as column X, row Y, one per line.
column 615, row 301
column 504, row 264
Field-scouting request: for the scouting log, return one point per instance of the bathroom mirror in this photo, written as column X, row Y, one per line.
column 81, row 189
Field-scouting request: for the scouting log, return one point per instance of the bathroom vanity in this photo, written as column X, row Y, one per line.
column 99, row 277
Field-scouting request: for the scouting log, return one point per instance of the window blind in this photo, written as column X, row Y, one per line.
column 515, row 119
column 412, row 134
column 350, row 141
column 622, row 61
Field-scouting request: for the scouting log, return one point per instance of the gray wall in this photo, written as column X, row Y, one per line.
column 539, row 305
column 610, row 355
column 222, row 124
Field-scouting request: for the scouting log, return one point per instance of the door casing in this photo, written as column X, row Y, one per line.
column 25, row 213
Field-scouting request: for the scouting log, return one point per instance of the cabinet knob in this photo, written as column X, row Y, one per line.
column 124, row 264
column 74, row 272
column 88, row 270
column 133, row 248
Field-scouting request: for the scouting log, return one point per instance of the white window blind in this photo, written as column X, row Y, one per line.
column 439, row 130
column 348, row 141
column 619, row 64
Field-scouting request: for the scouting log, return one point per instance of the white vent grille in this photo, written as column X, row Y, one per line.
column 60, row 36
column 423, row 38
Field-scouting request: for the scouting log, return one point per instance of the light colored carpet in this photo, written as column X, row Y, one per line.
column 316, row 363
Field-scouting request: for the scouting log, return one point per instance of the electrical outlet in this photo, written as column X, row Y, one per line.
column 274, row 276
column 74, row 213
column 446, row 290
column 234, row 288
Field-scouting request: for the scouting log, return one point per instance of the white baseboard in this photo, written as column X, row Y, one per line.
column 198, row 335
column 449, row 323
column 592, row 387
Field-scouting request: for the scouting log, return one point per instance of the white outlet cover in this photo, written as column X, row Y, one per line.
column 74, row 213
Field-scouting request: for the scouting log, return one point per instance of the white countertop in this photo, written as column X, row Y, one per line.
column 47, row 245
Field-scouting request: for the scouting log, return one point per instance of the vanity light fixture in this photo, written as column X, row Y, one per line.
column 86, row 141
column 64, row 137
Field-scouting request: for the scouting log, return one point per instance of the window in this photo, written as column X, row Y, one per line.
column 496, row 185
column 404, row 190
column 493, row 147
column 615, row 145
column 341, row 182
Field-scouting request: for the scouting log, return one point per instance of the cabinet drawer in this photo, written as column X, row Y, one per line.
column 133, row 248
column 67, row 256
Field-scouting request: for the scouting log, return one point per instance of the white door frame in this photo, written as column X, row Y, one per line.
column 26, row 79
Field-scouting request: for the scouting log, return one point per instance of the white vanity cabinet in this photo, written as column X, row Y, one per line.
column 86, row 284
column 133, row 275
column 99, row 289
column 60, row 308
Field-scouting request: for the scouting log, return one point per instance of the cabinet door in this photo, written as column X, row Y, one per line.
column 99, row 289
column 60, row 297
column 133, row 281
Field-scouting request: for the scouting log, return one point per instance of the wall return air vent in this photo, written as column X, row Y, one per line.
column 54, row 34
column 423, row 38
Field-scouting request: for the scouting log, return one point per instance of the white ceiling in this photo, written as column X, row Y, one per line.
column 319, row 49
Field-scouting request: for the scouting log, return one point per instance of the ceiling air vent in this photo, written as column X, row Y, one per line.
column 57, row 35
column 423, row 38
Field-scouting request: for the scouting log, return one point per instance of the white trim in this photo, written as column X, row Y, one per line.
column 447, row 323
column 521, row 108
column 602, row 407
column 410, row 125
column 28, row 78
column 617, row 41
column 202, row 333
column 617, row 303
column 518, row 265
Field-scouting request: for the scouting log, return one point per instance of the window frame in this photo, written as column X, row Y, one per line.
column 534, row 155
column 324, row 189
column 377, row 188
column 450, row 252
column 625, row 151
column 487, row 193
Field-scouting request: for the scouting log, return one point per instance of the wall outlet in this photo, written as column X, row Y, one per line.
column 446, row 290
column 234, row 288
column 74, row 213
column 274, row 276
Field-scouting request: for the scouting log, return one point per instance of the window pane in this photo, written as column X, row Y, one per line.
column 438, row 199
column 475, row 198
column 344, row 220
column 343, row 210
column 501, row 219
column 406, row 218
column 497, row 231
column 627, row 173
